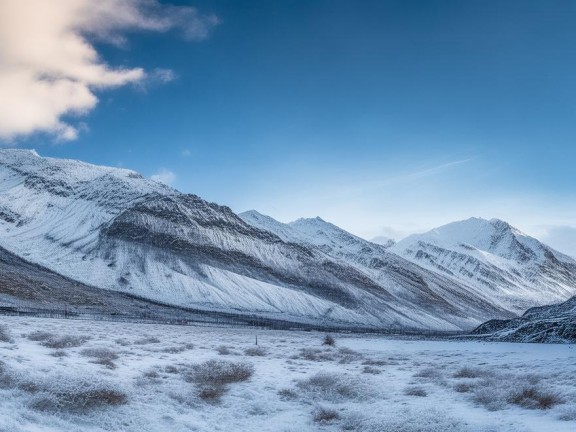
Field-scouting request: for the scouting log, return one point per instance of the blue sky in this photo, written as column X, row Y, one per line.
column 384, row 117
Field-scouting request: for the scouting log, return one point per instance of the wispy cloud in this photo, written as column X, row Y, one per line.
column 397, row 179
column 164, row 176
column 49, row 67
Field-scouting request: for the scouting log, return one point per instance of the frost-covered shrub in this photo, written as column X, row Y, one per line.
column 347, row 355
column 79, row 398
column 568, row 413
column 5, row 335
column 464, row 387
column 6, row 376
column 102, row 356
column 468, row 372
column 374, row 362
column 287, row 394
column 212, row 393
column 122, row 342
column 60, row 342
column 171, row 369
column 213, row 376
column 39, row 336
column 334, row 387
column 329, row 340
column 219, row 372
column 498, row 392
column 256, row 351
column 406, row 421
column 62, row 393
column 315, row 354
column 415, row 391
column 177, row 349
column 147, row 340
column 532, row 397
column 371, row 370
column 100, row 353
column 342, row 355
column 223, row 350
column 325, row 415
column 431, row 374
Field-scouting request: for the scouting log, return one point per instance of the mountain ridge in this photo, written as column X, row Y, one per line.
column 113, row 229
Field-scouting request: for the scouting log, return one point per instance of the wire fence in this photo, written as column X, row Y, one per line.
column 211, row 318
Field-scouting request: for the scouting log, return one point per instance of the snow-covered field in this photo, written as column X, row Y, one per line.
column 59, row 375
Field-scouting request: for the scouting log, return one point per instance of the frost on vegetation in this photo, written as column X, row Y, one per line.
column 287, row 394
column 213, row 377
column 257, row 351
column 122, row 342
column 497, row 391
column 371, row 370
column 407, row 421
column 428, row 373
column 325, row 415
column 63, row 394
column 147, row 340
column 329, row 340
column 5, row 335
column 102, row 356
column 50, row 340
column 334, row 387
column 177, row 349
column 342, row 355
column 568, row 413
column 535, row 397
column 224, row 350
column 468, row 372
column 415, row 391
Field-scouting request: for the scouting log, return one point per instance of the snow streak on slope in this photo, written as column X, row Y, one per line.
column 515, row 270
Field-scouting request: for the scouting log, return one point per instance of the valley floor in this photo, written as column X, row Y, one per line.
column 60, row 375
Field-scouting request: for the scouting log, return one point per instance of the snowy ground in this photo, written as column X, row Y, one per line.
column 58, row 375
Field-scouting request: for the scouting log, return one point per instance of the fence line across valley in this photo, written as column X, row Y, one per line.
column 212, row 318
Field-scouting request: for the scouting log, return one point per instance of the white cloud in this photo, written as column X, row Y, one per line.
column 50, row 69
column 164, row 176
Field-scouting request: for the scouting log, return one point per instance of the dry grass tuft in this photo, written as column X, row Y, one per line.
column 325, row 415
column 256, row 351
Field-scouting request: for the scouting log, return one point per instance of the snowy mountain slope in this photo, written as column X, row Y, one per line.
column 548, row 324
column 115, row 230
column 513, row 269
column 412, row 286
column 27, row 285
column 112, row 229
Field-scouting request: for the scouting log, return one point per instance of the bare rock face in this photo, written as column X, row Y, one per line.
column 545, row 324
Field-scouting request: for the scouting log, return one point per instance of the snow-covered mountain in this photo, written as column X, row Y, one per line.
column 548, row 324
column 513, row 269
column 113, row 229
